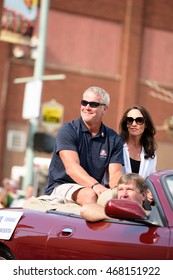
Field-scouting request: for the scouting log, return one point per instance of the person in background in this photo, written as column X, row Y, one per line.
column 3, row 195
column 131, row 186
column 12, row 191
column 88, row 155
column 29, row 191
column 138, row 133
column 19, row 201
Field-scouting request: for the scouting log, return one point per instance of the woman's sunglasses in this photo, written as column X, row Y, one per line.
column 92, row 104
column 138, row 120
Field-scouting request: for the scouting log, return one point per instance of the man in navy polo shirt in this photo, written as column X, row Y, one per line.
column 88, row 156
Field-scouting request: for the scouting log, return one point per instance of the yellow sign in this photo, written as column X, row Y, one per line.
column 52, row 112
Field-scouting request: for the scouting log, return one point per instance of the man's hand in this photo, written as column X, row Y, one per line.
column 149, row 196
column 99, row 189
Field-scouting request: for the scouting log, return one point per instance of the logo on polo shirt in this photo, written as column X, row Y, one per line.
column 103, row 154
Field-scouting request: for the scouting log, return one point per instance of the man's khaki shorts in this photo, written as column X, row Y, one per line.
column 65, row 191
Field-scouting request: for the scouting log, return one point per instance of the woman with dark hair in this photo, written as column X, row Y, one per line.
column 138, row 133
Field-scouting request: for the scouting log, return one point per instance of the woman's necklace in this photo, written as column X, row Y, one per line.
column 134, row 152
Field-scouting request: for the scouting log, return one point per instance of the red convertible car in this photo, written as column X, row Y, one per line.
column 129, row 234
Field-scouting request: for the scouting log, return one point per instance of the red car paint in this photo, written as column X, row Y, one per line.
column 53, row 235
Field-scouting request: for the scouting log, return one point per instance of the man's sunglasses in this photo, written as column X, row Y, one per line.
column 92, row 104
column 138, row 120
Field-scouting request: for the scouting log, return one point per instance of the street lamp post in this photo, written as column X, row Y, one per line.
column 38, row 73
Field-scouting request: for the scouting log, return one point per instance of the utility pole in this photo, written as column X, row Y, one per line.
column 38, row 72
column 34, row 88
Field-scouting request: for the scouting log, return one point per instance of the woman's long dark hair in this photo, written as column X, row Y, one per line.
column 147, row 139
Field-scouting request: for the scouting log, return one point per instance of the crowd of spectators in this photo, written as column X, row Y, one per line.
column 11, row 194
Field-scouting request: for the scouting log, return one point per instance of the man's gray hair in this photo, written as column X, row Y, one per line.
column 100, row 92
column 134, row 178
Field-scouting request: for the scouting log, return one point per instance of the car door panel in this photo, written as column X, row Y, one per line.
column 106, row 240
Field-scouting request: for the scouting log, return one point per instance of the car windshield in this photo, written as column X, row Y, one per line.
column 169, row 181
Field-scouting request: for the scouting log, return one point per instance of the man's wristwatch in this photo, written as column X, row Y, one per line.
column 95, row 185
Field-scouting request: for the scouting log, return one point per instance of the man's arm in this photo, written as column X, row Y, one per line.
column 115, row 172
column 73, row 168
column 93, row 212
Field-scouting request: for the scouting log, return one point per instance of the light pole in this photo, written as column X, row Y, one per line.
column 38, row 73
